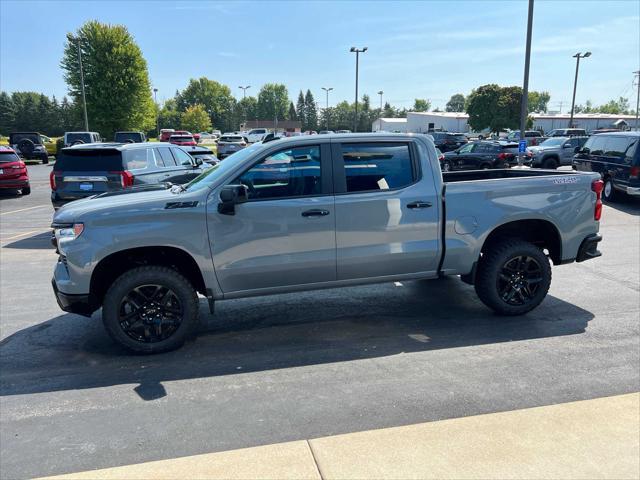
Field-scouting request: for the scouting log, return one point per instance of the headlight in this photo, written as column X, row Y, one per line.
column 70, row 232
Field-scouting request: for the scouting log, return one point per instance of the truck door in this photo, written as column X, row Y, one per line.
column 285, row 234
column 386, row 210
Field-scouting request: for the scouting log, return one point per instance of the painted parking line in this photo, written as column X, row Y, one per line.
column 578, row 440
column 24, row 209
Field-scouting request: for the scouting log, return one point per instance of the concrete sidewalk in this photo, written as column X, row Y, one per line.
column 589, row 439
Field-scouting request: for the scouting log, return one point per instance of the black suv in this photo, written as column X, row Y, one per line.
column 130, row 137
column 85, row 170
column 28, row 145
column 616, row 157
column 447, row 141
column 481, row 155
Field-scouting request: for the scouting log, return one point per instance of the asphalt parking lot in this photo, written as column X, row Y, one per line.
column 282, row 368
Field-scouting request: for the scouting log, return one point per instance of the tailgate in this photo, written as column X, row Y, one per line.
column 83, row 172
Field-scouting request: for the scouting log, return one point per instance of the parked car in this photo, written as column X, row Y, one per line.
column 343, row 131
column 50, row 145
column 165, row 134
column 481, row 155
column 208, row 136
column 183, row 140
column 567, row 132
column 256, row 134
column 229, row 144
column 604, row 130
column 307, row 213
column 86, row 170
column 129, row 137
column 202, row 153
column 616, row 157
column 13, row 171
column 533, row 137
column 78, row 138
column 447, row 141
column 29, row 146
column 555, row 151
column 310, row 132
column 325, row 132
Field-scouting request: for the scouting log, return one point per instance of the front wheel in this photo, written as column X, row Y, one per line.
column 150, row 309
column 513, row 277
column 609, row 191
column 446, row 166
column 25, row 191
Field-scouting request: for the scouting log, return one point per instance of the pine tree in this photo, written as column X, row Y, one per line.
column 7, row 114
column 292, row 112
column 310, row 112
column 301, row 111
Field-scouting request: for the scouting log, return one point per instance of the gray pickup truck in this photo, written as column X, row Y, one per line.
column 316, row 212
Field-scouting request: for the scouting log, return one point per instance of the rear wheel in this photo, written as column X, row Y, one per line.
column 609, row 191
column 485, row 166
column 150, row 309
column 45, row 161
column 446, row 166
column 513, row 277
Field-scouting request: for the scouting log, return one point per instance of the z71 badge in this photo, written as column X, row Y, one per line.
column 563, row 180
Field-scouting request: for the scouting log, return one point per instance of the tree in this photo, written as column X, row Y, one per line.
column 246, row 109
column 116, row 80
column 300, row 109
column 215, row 98
column 310, row 112
column 196, row 119
column 273, row 101
column 615, row 107
column 455, row 103
column 169, row 116
column 538, row 101
column 421, row 105
column 7, row 113
column 292, row 115
column 388, row 111
column 494, row 107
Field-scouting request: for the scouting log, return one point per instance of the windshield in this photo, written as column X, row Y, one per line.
column 553, row 142
column 209, row 176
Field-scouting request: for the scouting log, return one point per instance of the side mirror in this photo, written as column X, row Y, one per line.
column 230, row 195
column 198, row 162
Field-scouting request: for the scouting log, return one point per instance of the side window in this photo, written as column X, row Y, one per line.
column 377, row 166
column 164, row 157
column 631, row 149
column 467, row 148
column 595, row 145
column 618, row 147
column 294, row 172
column 182, row 157
column 138, row 158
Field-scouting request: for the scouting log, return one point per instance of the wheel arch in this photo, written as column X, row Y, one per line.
column 117, row 263
column 542, row 233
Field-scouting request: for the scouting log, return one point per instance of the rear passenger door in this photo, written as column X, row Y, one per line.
column 386, row 210
column 168, row 168
column 189, row 169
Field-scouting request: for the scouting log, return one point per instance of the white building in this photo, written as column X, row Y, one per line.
column 588, row 121
column 395, row 125
column 422, row 122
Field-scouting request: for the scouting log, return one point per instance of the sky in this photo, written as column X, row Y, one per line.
column 427, row 49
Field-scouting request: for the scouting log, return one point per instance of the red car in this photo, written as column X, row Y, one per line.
column 183, row 140
column 167, row 133
column 13, row 172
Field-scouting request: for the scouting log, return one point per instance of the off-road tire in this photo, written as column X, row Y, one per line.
column 45, row 161
column 26, row 147
column 550, row 163
column 143, row 276
column 491, row 265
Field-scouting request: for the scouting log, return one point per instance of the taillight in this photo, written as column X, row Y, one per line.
column 634, row 172
column 597, row 186
column 126, row 178
column 52, row 180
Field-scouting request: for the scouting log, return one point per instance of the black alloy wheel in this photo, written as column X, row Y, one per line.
column 519, row 280
column 150, row 313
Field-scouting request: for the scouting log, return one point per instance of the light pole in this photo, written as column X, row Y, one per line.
column 577, row 56
column 244, row 107
column 525, row 83
column 637, row 74
column 380, row 93
column 357, row 51
column 326, row 110
column 155, row 100
column 84, row 98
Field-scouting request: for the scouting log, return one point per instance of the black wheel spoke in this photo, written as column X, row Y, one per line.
column 518, row 280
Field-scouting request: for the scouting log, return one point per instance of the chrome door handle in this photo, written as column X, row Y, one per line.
column 419, row 204
column 315, row 213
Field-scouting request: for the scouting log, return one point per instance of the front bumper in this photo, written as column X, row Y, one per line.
column 80, row 304
column 633, row 191
column 589, row 248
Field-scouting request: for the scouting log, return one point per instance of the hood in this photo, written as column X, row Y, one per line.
column 75, row 211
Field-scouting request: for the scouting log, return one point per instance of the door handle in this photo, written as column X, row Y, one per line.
column 315, row 213
column 419, row 204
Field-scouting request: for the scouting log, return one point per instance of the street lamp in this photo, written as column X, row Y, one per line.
column 84, row 98
column 577, row 56
column 380, row 93
column 357, row 51
column 155, row 100
column 244, row 107
column 326, row 111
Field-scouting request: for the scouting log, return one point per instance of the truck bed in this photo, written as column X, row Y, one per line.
column 470, row 175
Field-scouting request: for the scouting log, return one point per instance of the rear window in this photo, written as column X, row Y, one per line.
column 182, row 138
column 231, row 139
column 89, row 161
column 6, row 157
column 74, row 137
column 17, row 137
column 457, row 138
column 125, row 136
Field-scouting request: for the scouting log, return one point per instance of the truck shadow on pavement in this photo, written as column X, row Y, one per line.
column 70, row 352
column 40, row 241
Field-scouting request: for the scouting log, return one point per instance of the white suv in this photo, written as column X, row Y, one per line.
column 77, row 138
column 256, row 134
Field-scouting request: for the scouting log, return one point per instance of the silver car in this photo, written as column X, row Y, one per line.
column 229, row 144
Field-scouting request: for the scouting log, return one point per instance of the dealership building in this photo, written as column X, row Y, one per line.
column 422, row 122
